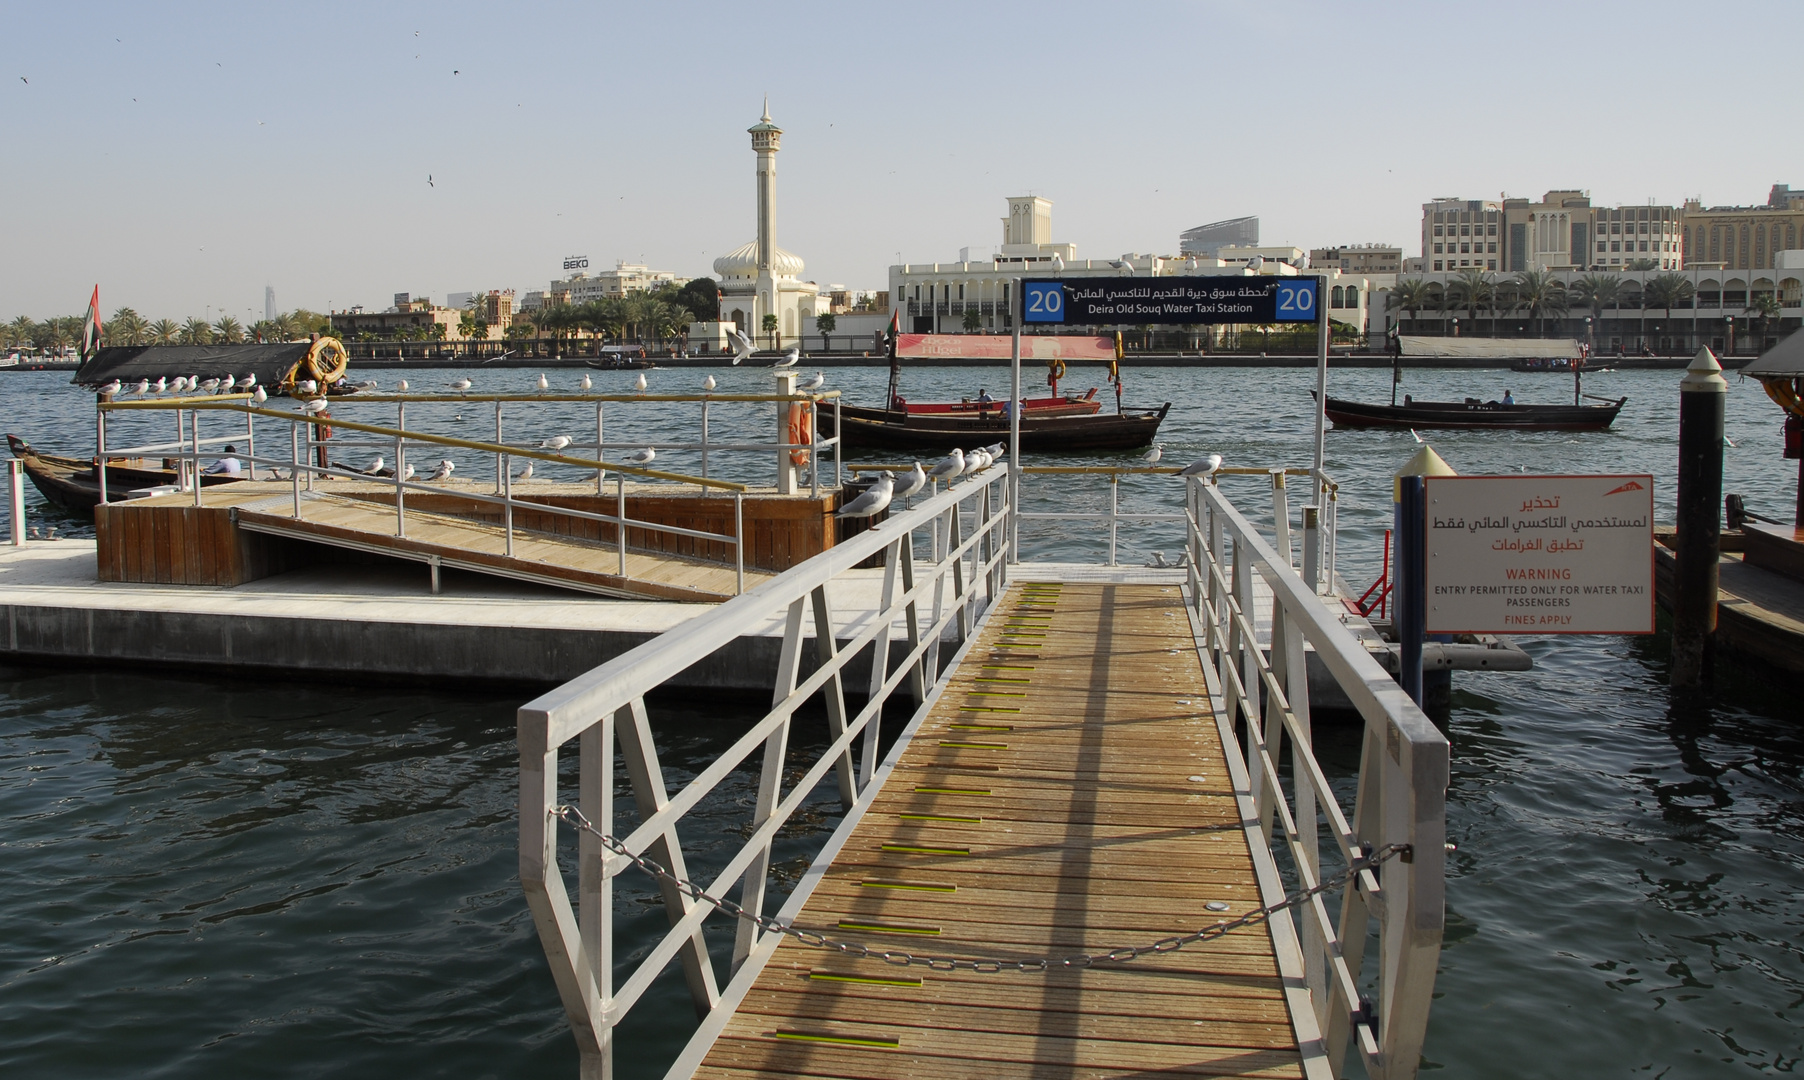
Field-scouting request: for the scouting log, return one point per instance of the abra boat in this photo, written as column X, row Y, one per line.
column 1475, row 414
column 71, row 482
column 907, row 430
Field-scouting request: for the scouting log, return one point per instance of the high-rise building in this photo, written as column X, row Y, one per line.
column 1562, row 231
column 1744, row 237
column 1359, row 258
column 1208, row 239
column 269, row 303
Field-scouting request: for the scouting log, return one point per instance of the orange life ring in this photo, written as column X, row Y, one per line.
column 800, row 430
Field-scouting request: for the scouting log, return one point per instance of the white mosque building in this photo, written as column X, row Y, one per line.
column 760, row 278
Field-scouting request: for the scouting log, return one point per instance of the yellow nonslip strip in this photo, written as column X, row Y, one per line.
column 913, row 886
column 952, row 790
column 838, row 1040
column 910, row 849
column 1019, row 645
column 887, row 928
column 995, row 693
column 866, row 980
column 999, row 678
column 981, row 727
column 974, row 745
column 1021, row 633
column 941, row 817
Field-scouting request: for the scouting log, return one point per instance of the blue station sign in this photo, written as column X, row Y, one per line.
column 1176, row 300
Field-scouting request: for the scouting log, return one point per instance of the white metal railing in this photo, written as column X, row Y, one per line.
column 921, row 599
column 307, row 457
column 1401, row 788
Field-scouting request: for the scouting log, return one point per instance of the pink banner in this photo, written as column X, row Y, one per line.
column 1034, row 347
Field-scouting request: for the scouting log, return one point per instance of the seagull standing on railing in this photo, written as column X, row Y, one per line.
column 315, row 407
column 143, row 387
column 874, row 500
column 209, row 385
column 305, row 386
column 403, row 386
column 742, row 345
column 587, row 382
column 1151, row 457
column 948, row 467
column 1204, row 467
column 544, row 383
column 248, row 381
column 639, row 383
column 911, row 483
column 976, row 461
column 790, row 358
column 259, row 395
column 708, row 384
column 443, row 471
column 819, row 380
column 110, row 388
column 555, row 443
column 159, row 386
column 642, row 457
column 460, row 384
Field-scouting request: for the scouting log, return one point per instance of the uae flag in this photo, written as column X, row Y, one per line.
column 895, row 329
column 91, row 330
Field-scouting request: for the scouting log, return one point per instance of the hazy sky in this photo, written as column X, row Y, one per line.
column 186, row 156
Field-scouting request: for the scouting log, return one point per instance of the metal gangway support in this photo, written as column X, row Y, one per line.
column 1083, row 851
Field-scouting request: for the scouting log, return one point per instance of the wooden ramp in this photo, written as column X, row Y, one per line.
column 466, row 543
column 1067, row 794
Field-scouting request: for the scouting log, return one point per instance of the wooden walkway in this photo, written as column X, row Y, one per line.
column 1067, row 794
column 467, row 543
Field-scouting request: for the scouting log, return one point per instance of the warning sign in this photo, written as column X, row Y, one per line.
column 1540, row 554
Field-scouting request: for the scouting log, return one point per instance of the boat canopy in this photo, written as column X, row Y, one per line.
column 275, row 366
column 1783, row 361
column 1492, row 348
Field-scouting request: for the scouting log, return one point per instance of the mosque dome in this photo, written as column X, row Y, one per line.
column 742, row 262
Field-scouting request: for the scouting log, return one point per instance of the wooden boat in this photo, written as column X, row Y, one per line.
column 72, row 483
column 941, row 431
column 1475, row 414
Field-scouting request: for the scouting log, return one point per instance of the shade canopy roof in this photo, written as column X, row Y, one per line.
column 274, row 365
column 1783, row 361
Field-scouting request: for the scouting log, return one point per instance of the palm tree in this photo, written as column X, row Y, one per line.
column 1473, row 290
column 127, row 327
column 1411, row 294
column 52, row 335
column 1597, row 292
column 1764, row 308
column 1540, row 294
column 1666, row 291
column 21, row 328
column 285, row 327
column 195, row 331
column 827, row 322
column 228, row 330
column 770, row 327
column 164, row 332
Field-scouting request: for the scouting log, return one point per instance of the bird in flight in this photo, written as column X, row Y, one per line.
column 429, row 182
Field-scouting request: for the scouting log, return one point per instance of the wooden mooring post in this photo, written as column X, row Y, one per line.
column 1700, row 499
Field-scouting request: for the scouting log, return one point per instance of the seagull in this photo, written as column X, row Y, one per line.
column 911, row 483
column 709, row 383
column 209, row 385
column 443, row 470
column 819, row 380
column 159, row 386
column 111, row 388
column 143, row 387
column 556, row 442
column 1157, row 562
column 790, row 358
column 587, row 382
column 429, row 182
column 1730, row 441
column 742, row 346
column 874, row 500
column 524, row 474
column 948, row 467
column 1125, row 266
column 639, row 383
column 176, row 384
column 1058, row 262
column 407, row 473
column 460, row 384
column 375, row 466
column 1151, row 457
column 305, row 386
column 403, row 386
column 247, row 382
column 544, row 384
column 1202, row 466
column 1413, row 435
column 314, row 407
column 642, row 457
column 259, row 396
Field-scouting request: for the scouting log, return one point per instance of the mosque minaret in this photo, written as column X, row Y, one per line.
column 760, row 278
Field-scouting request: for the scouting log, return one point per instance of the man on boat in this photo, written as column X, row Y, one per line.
column 1509, row 398
column 225, row 466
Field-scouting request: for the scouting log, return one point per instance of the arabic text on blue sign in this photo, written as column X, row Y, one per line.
column 1175, row 300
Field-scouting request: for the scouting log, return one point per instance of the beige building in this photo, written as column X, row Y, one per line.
column 1744, row 237
column 419, row 319
column 1359, row 258
column 1561, row 231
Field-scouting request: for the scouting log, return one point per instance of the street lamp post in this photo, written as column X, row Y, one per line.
column 1729, row 335
column 1590, row 341
column 1456, row 326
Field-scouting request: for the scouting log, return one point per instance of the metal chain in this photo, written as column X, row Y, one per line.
column 570, row 815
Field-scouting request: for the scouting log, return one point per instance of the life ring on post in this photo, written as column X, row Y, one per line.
column 1055, row 370
column 800, row 429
